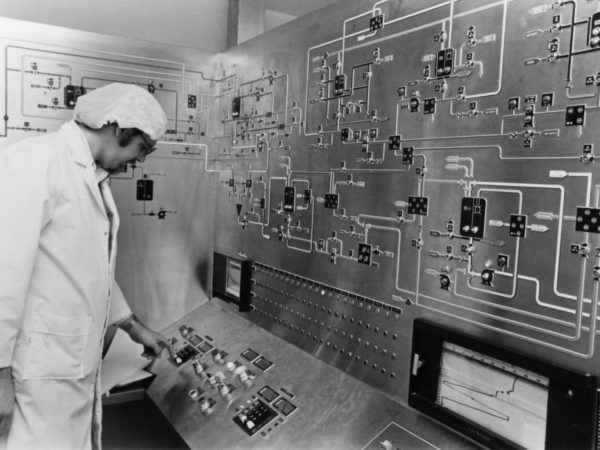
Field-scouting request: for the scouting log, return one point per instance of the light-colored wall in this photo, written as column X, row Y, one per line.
column 251, row 19
column 197, row 24
column 273, row 19
column 200, row 24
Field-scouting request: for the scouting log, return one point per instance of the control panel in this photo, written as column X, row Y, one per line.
column 221, row 380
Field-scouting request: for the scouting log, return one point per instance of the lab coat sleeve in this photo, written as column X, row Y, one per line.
column 27, row 205
column 119, row 309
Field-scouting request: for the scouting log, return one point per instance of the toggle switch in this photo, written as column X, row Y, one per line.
column 198, row 367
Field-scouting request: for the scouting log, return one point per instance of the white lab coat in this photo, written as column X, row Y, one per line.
column 57, row 289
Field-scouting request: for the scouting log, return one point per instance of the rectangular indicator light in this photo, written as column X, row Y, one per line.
column 205, row 347
column 249, row 354
column 284, row 407
column 268, row 394
column 195, row 339
column 262, row 363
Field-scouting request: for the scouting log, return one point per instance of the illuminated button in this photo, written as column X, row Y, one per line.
column 249, row 424
column 386, row 445
column 184, row 330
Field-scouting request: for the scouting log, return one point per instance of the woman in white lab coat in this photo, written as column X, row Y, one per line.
column 57, row 258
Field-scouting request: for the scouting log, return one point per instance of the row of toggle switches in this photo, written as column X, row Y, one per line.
column 350, row 354
column 358, row 323
column 293, row 282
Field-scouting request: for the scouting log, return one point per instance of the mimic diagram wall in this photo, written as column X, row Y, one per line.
column 391, row 160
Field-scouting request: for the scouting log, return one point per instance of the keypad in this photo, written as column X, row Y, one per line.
column 254, row 417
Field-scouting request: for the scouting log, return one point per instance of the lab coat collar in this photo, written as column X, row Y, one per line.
column 101, row 174
column 78, row 144
column 82, row 155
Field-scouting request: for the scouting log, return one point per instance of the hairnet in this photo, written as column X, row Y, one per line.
column 128, row 105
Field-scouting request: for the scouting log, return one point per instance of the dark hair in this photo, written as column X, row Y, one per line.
column 127, row 136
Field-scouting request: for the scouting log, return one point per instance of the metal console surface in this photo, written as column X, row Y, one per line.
column 333, row 410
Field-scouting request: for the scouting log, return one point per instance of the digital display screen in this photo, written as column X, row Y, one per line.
column 501, row 397
column 234, row 277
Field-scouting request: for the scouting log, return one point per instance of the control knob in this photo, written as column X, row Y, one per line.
column 205, row 406
column 239, row 370
column 198, row 367
column 386, row 445
column 218, row 357
column 194, row 394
